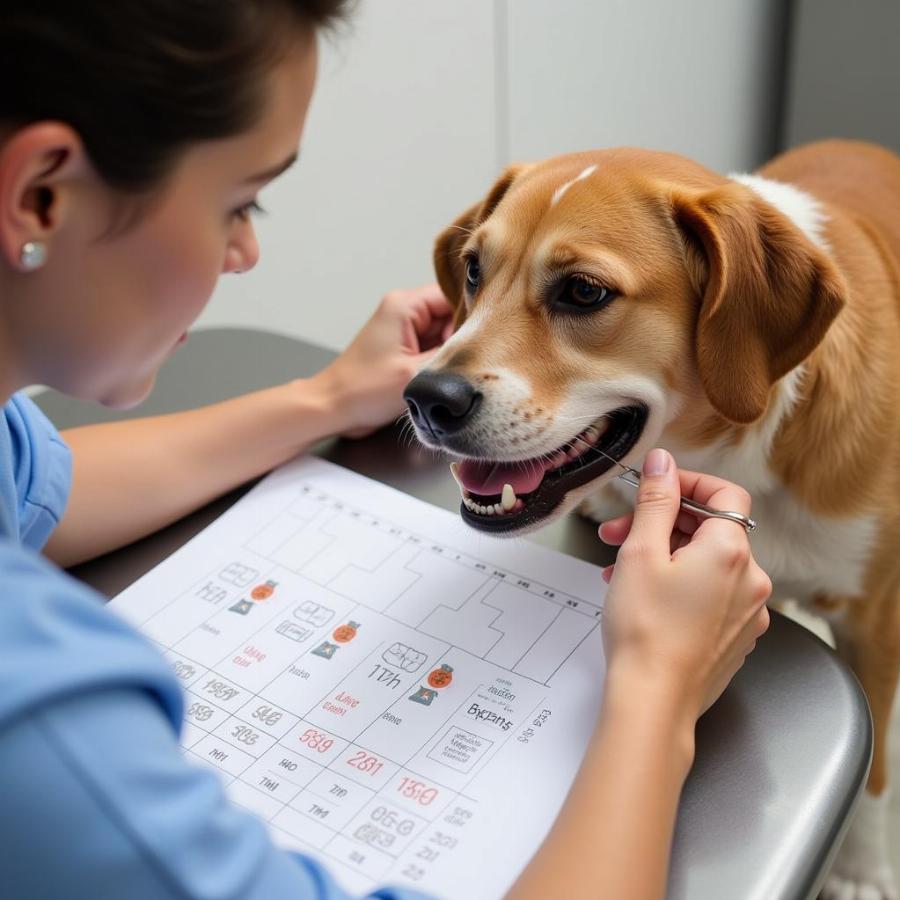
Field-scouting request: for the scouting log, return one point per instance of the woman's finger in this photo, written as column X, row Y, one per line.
column 714, row 492
column 616, row 530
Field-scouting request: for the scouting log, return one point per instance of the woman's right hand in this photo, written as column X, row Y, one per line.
column 686, row 600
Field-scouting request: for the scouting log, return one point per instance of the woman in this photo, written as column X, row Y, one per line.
column 134, row 137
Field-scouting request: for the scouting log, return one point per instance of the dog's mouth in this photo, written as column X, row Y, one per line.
column 510, row 496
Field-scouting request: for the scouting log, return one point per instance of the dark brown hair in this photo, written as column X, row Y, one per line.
column 141, row 80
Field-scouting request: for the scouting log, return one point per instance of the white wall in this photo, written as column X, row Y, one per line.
column 423, row 102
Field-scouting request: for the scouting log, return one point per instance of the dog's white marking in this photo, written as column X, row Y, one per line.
column 793, row 545
column 801, row 208
column 861, row 869
column 746, row 463
column 796, row 548
column 557, row 194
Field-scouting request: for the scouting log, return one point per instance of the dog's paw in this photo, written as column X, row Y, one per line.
column 604, row 504
column 861, row 869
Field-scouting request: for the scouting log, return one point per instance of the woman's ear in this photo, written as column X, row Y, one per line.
column 448, row 263
column 35, row 162
column 767, row 295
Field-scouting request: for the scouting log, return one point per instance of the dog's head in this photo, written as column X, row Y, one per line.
column 602, row 297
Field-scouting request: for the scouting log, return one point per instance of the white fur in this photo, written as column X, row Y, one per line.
column 747, row 462
column 794, row 546
column 861, row 869
column 801, row 208
column 557, row 194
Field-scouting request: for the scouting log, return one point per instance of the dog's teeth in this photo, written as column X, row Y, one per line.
column 489, row 509
column 508, row 497
column 591, row 434
column 454, row 471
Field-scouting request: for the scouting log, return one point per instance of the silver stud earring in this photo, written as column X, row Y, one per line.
column 33, row 255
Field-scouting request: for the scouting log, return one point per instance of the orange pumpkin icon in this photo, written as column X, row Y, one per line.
column 263, row 591
column 344, row 633
column 440, row 678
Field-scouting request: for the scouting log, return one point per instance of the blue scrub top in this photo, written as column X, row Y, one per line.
column 96, row 799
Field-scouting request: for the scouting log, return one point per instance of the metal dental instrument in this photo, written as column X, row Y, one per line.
column 633, row 477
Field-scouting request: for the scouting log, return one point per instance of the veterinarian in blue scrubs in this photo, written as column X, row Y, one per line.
column 134, row 137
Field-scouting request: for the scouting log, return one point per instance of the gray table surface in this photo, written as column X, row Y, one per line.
column 781, row 758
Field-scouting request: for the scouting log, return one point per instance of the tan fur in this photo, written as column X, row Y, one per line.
column 840, row 452
column 721, row 296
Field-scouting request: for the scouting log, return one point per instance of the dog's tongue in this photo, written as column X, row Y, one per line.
column 481, row 477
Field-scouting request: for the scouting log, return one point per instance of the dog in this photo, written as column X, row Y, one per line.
column 613, row 301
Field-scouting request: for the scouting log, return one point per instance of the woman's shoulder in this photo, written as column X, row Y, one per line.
column 57, row 638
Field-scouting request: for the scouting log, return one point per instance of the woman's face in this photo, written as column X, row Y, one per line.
column 105, row 312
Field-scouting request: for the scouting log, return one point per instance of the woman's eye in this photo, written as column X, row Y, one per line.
column 583, row 294
column 247, row 210
column 473, row 274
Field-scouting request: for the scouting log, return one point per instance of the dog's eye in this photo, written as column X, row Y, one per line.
column 473, row 274
column 583, row 294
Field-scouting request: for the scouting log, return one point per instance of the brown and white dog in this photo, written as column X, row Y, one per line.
column 622, row 299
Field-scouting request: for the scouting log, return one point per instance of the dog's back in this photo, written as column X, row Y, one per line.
column 862, row 179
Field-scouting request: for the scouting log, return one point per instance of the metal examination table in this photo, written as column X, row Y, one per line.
column 780, row 759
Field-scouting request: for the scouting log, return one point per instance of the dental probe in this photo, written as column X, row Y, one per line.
column 633, row 477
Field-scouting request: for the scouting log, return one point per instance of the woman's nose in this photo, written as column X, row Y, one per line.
column 242, row 253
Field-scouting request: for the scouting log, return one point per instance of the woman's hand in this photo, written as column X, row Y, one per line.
column 366, row 381
column 686, row 604
column 686, row 600
column 171, row 465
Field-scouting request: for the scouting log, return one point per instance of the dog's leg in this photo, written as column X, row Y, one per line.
column 868, row 637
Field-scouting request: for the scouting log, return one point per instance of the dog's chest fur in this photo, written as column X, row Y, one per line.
column 803, row 553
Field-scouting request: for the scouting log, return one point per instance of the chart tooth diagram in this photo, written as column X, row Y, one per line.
column 373, row 692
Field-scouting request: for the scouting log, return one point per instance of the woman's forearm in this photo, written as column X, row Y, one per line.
column 133, row 477
column 613, row 836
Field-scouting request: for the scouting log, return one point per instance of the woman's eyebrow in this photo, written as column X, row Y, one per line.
column 274, row 172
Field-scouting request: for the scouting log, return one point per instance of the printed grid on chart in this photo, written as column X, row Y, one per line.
column 308, row 782
column 331, row 810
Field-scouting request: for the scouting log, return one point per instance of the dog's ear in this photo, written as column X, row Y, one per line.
column 448, row 264
column 768, row 295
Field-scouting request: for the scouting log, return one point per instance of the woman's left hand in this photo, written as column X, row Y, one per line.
column 367, row 380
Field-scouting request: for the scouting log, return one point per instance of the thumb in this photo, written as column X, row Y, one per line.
column 657, row 504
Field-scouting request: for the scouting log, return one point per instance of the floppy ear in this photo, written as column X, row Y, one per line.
column 768, row 295
column 448, row 264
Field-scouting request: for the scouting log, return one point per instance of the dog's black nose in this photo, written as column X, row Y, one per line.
column 441, row 402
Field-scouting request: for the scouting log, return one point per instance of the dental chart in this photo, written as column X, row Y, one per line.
column 393, row 693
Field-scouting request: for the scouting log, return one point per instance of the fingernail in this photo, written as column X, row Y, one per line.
column 657, row 462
